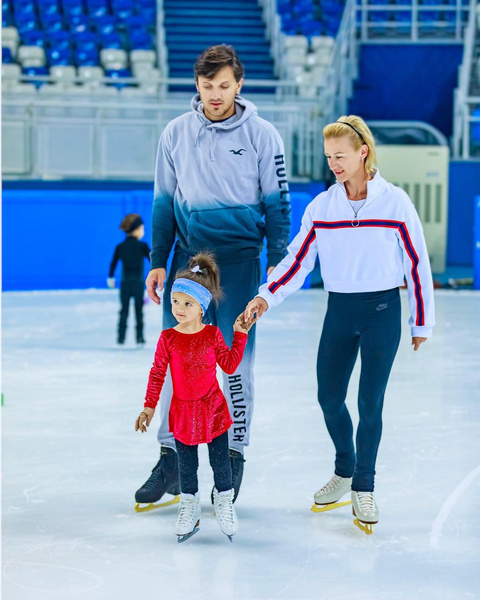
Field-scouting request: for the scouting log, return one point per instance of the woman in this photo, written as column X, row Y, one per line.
column 369, row 239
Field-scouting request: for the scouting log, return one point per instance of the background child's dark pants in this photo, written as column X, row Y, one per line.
column 131, row 288
column 369, row 321
column 219, row 461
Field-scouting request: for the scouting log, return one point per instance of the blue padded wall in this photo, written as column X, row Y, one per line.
column 56, row 238
column 407, row 82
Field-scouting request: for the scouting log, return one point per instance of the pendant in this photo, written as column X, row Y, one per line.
column 355, row 223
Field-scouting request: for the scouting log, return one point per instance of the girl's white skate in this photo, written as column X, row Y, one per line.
column 225, row 512
column 327, row 497
column 365, row 510
column 188, row 519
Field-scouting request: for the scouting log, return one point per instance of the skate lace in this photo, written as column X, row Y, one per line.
column 186, row 512
column 225, row 509
column 332, row 485
column 366, row 501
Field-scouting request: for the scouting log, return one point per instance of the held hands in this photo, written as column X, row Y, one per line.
column 144, row 419
column 111, row 282
column 156, row 278
column 242, row 325
column 255, row 309
column 416, row 341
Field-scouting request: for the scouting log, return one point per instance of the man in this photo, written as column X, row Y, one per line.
column 220, row 186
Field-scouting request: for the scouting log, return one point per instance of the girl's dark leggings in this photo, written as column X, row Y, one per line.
column 369, row 321
column 219, row 461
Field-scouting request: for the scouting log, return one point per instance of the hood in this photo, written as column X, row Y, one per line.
column 243, row 111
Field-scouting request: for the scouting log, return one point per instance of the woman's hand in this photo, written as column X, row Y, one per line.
column 144, row 419
column 242, row 325
column 255, row 309
column 416, row 341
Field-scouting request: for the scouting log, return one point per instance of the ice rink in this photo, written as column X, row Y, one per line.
column 72, row 463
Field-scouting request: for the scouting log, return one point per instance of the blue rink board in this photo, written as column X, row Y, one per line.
column 58, row 238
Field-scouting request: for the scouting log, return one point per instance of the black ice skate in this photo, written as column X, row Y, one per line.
column 236, row 460
column 163, row 480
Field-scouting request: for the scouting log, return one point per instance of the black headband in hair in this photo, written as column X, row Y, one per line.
column 354, row 129
column 138, row 221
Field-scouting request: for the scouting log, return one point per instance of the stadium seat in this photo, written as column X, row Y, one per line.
column 31, row 56
column 91, row 76
column 148, row 57
column 58, row 56
column 32, row 37
column 7, row 57
column 10, row 39
column 36, row 72
column 10, row 73
column 113, row 59
column 86, row 58
column 63, row 75
column 322, row 41
column 117, row 74
column 111, row 40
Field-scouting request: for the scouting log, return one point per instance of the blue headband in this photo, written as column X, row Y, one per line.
column 196, row 290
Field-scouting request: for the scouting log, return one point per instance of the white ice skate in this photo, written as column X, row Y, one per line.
column 188, row 519
column 225, row 512
column 327, row 497
column 365, row 510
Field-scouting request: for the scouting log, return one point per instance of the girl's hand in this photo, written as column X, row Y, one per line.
column 255, row 309
column 416, row 341
column 242, row 325
column 144, row 418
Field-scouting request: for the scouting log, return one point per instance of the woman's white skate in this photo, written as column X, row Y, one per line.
column 188, row 520
column 365, row 511
column 327, row 497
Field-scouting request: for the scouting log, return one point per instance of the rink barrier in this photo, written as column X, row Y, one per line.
column 476, row 245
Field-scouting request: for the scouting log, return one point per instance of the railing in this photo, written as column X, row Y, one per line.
column 465, row 103
column 162, row 51
column 116, row 136
column 403, row 22
column 273, row 30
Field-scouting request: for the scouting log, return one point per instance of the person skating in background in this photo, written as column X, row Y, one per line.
column 198, row 410
column 132, row 253
column 221, row 186
column 368, row 238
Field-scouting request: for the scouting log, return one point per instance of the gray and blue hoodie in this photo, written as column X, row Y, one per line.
column 220, row 186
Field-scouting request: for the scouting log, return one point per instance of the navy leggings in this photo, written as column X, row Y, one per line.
column 369, row 321
column 219, row 461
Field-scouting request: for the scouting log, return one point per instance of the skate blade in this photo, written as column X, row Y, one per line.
column 365, row 527
column 144, row 508
column 184, row 538
column 317, row 508
column 229, row 537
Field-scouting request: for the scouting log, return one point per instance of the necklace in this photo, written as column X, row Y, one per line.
column 356, row 205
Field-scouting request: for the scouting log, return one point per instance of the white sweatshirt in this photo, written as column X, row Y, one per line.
column 371, row 253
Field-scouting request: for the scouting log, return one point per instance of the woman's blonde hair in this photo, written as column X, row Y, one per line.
column 358, row 133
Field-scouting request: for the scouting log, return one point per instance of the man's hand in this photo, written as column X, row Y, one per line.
column 144, row 419
column 156, row 278
column 416, row 341
column 255, row 309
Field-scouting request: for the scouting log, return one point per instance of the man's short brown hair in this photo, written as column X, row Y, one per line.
column 214, row 59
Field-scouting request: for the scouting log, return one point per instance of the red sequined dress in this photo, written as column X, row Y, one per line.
column 199, row 411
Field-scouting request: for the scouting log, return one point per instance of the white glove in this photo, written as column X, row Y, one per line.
column 111, row 282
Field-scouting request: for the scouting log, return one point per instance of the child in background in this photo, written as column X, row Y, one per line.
column 132, row 253
column 198, row 412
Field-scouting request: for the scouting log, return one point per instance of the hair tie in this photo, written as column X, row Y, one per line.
column 196, row 269
column 354, row 129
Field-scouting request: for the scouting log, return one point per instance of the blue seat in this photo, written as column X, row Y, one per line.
column 59, row 56
column 58, row 39
column 141, row 40
column 104, row 25
column 35, row 71
column 86, row 58
column 7, row 57
column 26, row 22
column 32, row 37
column 112, row 40
column 117, row 73
column 84, row 38
column 51, row 22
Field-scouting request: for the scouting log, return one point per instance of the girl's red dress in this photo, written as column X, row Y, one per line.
column 198, row 412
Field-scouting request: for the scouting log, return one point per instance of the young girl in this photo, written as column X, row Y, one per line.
column 198, row 412
column 368, row 238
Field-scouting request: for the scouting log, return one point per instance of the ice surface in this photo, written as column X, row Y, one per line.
column 72, row 463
